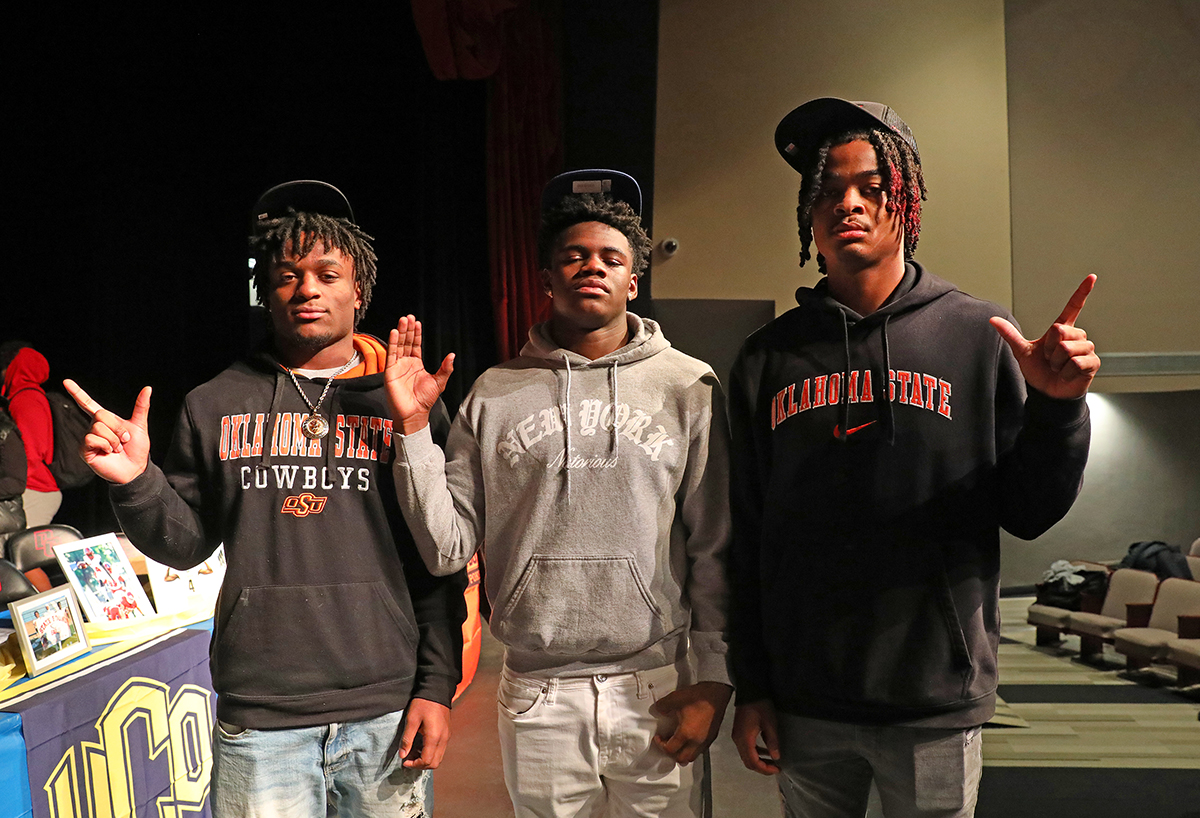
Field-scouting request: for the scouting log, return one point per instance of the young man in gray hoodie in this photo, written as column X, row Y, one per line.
column 595, row 468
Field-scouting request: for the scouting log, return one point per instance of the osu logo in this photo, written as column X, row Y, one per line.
column 304, row 504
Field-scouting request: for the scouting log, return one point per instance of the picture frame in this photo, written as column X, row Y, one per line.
column 104, row 581
column 49, row 628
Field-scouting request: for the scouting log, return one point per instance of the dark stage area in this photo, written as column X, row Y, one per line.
column 140, row 143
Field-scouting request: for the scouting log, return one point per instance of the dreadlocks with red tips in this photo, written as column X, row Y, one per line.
column 901, row 171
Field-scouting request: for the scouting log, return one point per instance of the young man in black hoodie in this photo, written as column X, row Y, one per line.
column 883, row 432
column 335, row 652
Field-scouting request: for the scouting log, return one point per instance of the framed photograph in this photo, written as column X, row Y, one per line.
column 50, row 628
column 99, row 571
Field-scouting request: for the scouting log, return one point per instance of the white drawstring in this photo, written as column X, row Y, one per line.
column 566, row 411
column 616, row 441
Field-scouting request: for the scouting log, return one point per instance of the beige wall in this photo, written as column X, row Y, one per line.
column 1104, row 96
column 1104, row 125
column 1095, row 106
column 729, row 72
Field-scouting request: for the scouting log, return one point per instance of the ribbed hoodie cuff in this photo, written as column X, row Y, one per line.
column 416, row 447
column 145, row 487
column 435, row 687
column 1055, row 412
column 713, row 667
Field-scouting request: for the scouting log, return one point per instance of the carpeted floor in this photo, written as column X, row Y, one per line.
column 1098, row 743
column 1070, row 740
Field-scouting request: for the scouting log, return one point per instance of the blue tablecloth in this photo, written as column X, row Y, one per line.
column 141, row 723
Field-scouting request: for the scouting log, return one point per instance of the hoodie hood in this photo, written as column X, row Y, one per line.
column 915, row 290
column 29, row 370
column 645, row 341
column 366, row 375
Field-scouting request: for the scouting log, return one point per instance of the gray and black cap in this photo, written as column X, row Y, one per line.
column 801, row 132
column 619, row 186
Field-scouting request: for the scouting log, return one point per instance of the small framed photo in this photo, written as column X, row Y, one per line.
column 50, row 628
column 103, row 579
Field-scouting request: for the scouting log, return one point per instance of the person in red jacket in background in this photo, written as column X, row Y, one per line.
column 24, row 371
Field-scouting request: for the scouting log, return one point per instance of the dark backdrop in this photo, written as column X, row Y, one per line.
column 136, row 145
column 141, row 144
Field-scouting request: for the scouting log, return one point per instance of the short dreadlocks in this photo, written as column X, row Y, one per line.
column 593, row 207
column 900, row 168
column 298, row 233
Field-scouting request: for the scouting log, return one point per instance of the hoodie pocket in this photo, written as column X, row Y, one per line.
column 572, row 606
column 296, row 640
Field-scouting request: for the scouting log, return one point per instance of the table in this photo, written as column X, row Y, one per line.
column 130, row 735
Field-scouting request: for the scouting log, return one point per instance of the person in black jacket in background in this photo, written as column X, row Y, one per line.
column 13, row 468
column 883, row 432
column 335, row 652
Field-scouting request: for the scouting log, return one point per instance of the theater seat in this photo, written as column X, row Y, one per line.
column 1142, row 645
column 1125, row 587
column 1185, row 655
column 1050, row 620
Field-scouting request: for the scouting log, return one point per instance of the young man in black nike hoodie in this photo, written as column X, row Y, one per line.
column 333, row 647
column 883, row 432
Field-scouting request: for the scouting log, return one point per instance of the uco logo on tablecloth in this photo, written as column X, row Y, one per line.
column 103, row 778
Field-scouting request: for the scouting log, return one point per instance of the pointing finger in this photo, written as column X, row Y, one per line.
column 82, row 398
column 1078, row 299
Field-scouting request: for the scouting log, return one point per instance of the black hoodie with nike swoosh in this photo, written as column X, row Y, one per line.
column 327, row 613
column 874, row 461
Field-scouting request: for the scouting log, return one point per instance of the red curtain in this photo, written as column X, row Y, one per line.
column 513, row 43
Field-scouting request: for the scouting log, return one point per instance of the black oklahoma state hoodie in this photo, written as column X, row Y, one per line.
column 874, row 461
column 327, row 613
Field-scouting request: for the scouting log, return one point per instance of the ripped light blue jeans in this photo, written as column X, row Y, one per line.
column 342, row 769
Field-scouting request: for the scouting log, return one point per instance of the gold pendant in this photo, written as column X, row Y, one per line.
column 314, row 427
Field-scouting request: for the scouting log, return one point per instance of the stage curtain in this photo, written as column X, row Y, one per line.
column 514, row 44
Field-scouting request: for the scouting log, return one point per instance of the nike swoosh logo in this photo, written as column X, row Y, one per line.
column 849, row 432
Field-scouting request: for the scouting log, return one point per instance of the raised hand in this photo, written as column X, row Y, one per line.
column 1062, row 363
column 117, row 450
column 412, row 392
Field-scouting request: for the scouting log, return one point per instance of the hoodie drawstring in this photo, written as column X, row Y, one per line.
column 844, row 401
column 566, row 413
column 614, row 402
column 886, row 381
column 616, row 442
column 276, row 400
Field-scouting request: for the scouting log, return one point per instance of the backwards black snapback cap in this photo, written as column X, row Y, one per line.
column 303, row 196
column 619, row 186
column 802, row 131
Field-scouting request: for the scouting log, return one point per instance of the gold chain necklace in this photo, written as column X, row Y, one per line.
column 315, row 427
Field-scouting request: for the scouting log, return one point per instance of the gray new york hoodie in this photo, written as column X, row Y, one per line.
column 600, row 489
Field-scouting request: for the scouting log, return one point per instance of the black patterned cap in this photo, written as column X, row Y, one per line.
column 800, row 133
